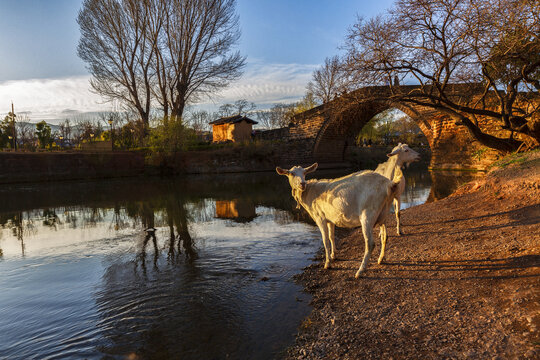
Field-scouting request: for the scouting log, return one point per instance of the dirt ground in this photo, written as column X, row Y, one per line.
column 462, row 283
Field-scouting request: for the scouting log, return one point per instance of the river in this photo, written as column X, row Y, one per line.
column 197, row 267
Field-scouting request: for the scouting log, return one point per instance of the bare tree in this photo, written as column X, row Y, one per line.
column 328, row 81
column 264, row 118
column 65, row 130
column 244, row 107
column 86, row 129
column 240, row 107
column 277, row 116
column 167, row 52
column 111, row 119
column 226, row 110
column 118, row 47
column 199, row 120
column 469, row 59
column 24, row 130
column 195, row 54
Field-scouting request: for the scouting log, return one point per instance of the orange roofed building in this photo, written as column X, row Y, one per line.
column 233, row 128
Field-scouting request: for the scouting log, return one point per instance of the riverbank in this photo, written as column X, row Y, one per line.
column 461, row 283
column 50, row 166
column 21, row 167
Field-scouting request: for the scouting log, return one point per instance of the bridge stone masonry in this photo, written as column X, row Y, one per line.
column 323, row 133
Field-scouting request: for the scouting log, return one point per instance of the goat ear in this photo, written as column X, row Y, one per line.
column 281, row 171
column 311, row 168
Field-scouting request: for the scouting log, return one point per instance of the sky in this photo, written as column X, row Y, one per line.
column 284, row 42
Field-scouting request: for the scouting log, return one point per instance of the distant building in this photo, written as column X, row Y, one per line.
column 232, row 128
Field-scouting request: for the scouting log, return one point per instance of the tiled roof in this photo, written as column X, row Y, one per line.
column 233, row 120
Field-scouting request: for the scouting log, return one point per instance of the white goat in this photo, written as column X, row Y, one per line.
column 358, row 199
column 401, row 155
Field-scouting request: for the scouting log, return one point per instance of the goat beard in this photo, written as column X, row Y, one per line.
column 296, row 195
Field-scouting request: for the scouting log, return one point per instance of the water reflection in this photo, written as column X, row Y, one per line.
column 159, row 269
column 446, row 182
column 156, row 268
column 240, row 210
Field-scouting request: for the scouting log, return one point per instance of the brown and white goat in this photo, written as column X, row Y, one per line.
column 358, row 199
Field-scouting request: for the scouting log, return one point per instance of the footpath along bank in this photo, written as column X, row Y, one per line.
column 462, row 283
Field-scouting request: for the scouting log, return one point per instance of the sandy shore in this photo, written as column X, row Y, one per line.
column 462, row 283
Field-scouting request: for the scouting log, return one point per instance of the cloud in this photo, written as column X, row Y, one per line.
column 53, row 100
column 70, row 112
column 267, row 84
column 50, row 99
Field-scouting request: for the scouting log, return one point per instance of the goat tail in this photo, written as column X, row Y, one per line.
column 395, row 182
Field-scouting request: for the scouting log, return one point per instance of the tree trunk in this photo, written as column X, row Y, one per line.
column 178, row 108
column 500, row 144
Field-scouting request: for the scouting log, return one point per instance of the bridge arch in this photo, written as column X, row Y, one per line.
column 339, row 128
column 322, row 133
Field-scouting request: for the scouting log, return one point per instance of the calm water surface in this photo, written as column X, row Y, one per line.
column 81, row 277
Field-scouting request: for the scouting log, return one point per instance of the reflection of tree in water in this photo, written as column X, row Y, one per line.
column 177, row 216
column 445, row 183
column 281, row 217
column 71, row 217
column 92, row 216
column 417, row 184
column 18, row 225
column 179, row 306
column 164, row 309
column 50, row 219
column 120, row 219
column 169, row 210
column 150, row 235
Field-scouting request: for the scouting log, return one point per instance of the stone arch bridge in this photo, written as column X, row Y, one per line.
column 323, row 133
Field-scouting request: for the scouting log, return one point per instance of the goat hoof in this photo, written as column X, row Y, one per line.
column 380, row 261
column 333, row 257
column 399, row 233
column 327, row 265
column 357, row 275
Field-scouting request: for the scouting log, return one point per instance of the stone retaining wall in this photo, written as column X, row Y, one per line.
column 53, row 166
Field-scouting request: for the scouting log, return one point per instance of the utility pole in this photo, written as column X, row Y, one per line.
column 13, row 125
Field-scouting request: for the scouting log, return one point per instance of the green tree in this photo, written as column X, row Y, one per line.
column 169, row 137
column 130, row 135
column 43, row 133
column 7, row 130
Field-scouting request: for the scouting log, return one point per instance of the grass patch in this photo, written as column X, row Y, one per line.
column 512, row 159
column 479, row 154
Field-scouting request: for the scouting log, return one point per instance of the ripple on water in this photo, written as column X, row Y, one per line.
column 82, row 289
